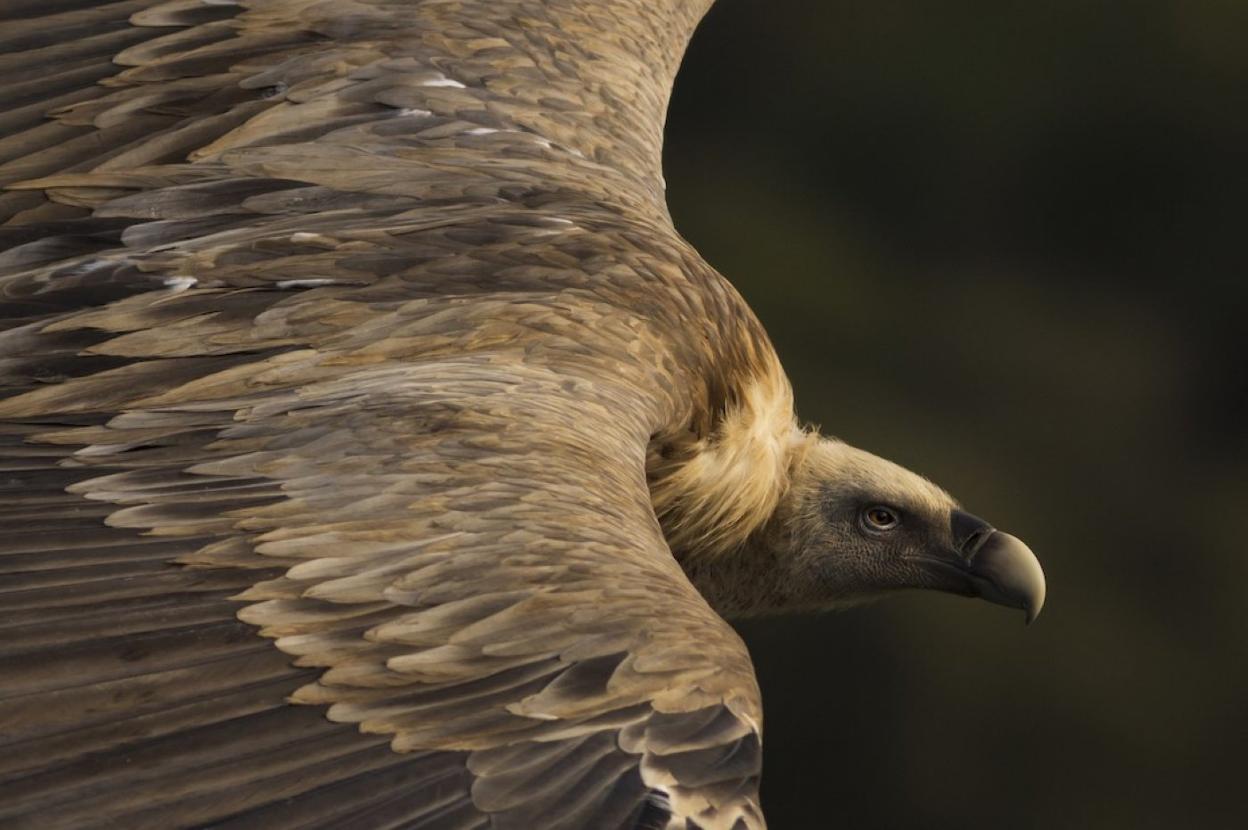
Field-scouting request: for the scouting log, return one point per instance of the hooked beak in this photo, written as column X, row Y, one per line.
column 998, row 566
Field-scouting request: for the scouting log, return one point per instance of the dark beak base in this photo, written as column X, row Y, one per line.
column 999, row 566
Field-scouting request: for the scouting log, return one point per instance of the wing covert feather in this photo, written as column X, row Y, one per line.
column 496, row 583
column 334, row 337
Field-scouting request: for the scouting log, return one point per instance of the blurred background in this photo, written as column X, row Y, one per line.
column 1002, row 243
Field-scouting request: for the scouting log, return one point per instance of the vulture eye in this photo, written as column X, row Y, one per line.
column 879, row 518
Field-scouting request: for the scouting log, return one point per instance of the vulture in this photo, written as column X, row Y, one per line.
column 375, row 452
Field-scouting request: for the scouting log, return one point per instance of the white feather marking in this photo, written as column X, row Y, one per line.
column 87, row 266
column 308, row 283
column 443, row 81
column 415, row 112
column 100, row 449
column 177, row 284
column 552, row 226
column 308, row 238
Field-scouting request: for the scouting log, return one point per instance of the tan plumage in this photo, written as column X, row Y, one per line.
column 361, row 325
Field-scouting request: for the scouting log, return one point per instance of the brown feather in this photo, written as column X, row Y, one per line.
column 343, row 333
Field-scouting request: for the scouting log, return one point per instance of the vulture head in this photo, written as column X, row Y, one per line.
column 834, row 526
column 853, row 526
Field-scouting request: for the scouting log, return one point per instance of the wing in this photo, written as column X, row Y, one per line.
column 335, row 336
column 421, row 98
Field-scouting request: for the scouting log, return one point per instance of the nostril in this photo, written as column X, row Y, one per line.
column 968, row 531
column 975, row 541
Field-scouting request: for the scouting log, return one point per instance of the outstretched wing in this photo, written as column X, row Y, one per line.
column 335, row 335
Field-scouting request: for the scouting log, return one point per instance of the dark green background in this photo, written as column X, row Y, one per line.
column 1002, row 243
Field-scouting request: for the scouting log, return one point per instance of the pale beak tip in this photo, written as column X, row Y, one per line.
column 1010, row 574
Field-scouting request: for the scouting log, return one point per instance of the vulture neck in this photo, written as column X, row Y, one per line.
column 712, row 493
